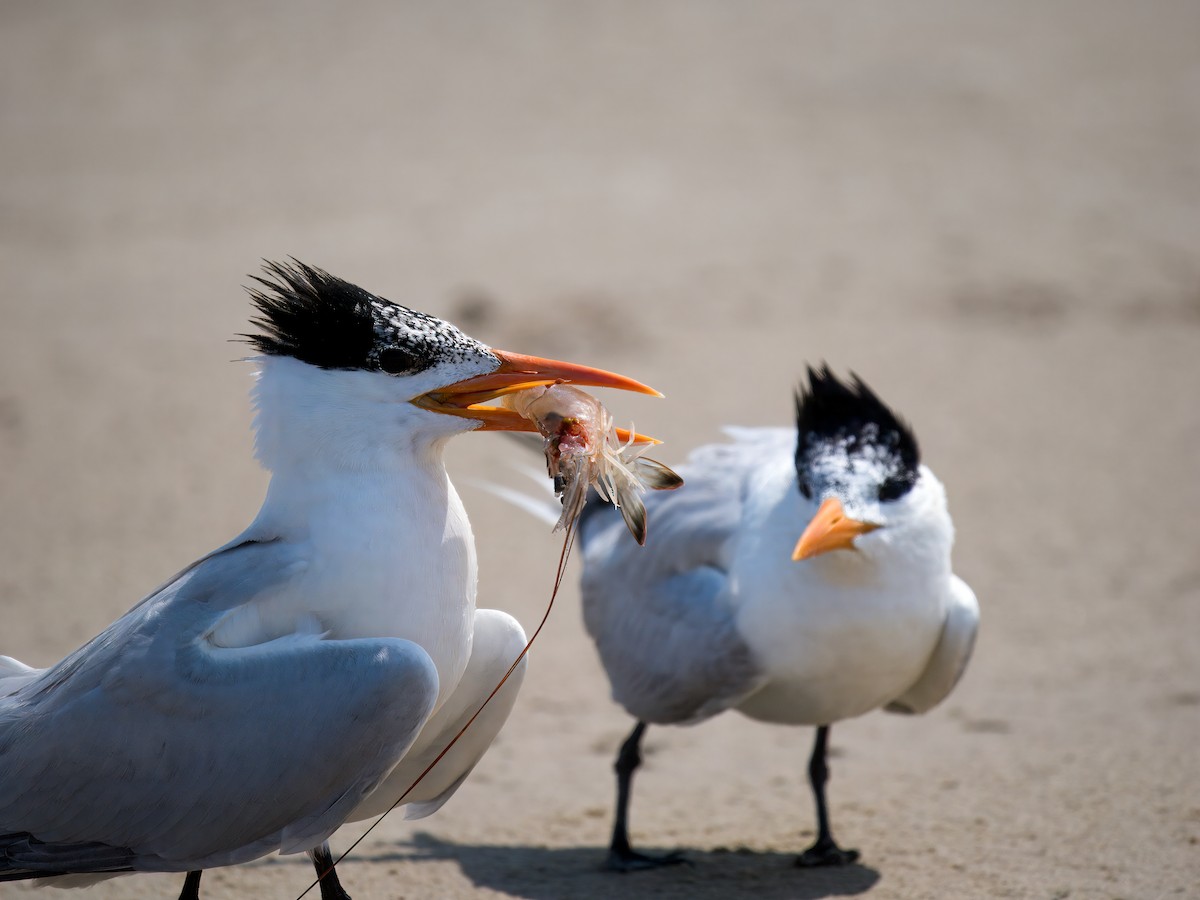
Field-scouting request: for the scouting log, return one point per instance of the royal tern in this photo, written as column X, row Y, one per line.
column 305, row 673
column 724, row 609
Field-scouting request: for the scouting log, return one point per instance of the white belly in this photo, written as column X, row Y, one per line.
column 834, row 655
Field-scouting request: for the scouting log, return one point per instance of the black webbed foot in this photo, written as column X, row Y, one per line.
column 629, row 860
column 826, row 853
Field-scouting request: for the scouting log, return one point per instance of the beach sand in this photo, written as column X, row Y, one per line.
column 991, row 212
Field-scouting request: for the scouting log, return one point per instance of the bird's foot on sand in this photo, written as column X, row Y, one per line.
column 826, row 853
column 632, row 861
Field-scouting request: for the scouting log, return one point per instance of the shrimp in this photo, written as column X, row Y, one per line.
column 583, row 450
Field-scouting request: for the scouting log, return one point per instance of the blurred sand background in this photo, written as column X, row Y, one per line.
column 991, row 211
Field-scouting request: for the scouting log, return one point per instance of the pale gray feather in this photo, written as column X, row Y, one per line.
column 950, row 656
column 660, row 615
column 150, row 748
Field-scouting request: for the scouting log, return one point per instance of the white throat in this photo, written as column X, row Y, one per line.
column 310, row 419
column 359, row 488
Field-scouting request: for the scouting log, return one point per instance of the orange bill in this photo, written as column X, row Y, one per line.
column 830, row 529
column 517, row 372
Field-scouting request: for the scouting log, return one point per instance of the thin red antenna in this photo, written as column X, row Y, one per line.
column 568, row 543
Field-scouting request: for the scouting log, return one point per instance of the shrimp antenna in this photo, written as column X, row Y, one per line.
column 568, row 544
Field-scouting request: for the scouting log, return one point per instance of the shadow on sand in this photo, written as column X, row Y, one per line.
column 544, row 873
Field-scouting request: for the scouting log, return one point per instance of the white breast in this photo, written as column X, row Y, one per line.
column 376, row 556
column 837, row 635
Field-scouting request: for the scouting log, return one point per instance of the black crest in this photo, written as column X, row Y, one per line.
column 852, row 417
column 317, row 318
column 306, row 313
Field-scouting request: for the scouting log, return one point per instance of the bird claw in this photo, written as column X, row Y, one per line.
column 632, row 861
column 826, row 855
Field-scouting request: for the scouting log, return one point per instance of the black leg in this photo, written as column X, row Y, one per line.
column 331, row 888
column 621, row 856
column 825, row 852
column 191, row 886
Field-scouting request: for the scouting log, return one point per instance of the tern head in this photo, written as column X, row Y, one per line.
column 859, row 466
column 352, row 378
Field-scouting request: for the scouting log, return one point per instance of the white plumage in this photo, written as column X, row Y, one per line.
column 714, row 613
column 307, row 672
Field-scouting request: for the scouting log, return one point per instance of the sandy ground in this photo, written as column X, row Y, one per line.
column 990, row 211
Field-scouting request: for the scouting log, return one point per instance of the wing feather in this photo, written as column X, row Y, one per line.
column 950, row 656
column 660, row 615
column 153, row 740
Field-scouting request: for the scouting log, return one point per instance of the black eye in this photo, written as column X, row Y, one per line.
column 806, row 489
column 397, row 361
column 893, row 489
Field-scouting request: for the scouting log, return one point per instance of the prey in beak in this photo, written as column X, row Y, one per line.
column 517, row 372
column 830, row 529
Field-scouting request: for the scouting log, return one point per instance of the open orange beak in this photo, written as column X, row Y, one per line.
column 830, row 529
column 517, row 372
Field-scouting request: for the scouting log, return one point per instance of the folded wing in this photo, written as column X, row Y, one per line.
column 950, row 656
column 151, row 748
column 659, row 615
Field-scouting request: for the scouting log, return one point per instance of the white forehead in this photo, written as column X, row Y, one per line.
column 399, row 326
column 847, row 463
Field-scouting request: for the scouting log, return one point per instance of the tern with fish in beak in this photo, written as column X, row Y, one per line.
column 307, row 672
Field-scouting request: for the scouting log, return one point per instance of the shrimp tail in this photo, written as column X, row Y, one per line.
column 633, row 511
column 655, row 475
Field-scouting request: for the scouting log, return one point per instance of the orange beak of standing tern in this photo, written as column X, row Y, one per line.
column 830, row 529
column 517, row 372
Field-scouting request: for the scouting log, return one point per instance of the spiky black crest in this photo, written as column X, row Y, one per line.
column 850, row 416
column 317, row 318
column 306, row 313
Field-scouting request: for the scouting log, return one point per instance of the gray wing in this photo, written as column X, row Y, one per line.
column 659, row 614
column 950, row 656
column 151, row 740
